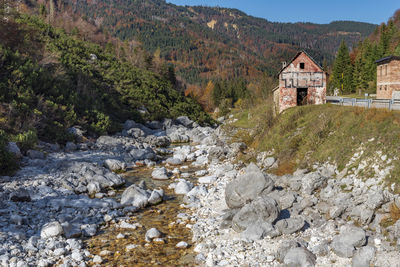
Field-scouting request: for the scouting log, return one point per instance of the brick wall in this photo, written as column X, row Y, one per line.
column 293, row 77
column 388, row 79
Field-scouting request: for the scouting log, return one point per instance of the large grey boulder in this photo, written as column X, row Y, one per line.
column 135, row 196
column 350, row 237
column 299, row 257
column 51, row 229
column 363, row 257
column 160, row 174
column 261, row 210
column 247, row 187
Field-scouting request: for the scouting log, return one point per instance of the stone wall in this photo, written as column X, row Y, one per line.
column 388, row 79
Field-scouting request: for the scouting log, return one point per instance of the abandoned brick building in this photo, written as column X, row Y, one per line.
column 388, row 78
column 301, row 82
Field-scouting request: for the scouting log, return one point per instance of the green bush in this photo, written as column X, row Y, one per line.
column 26, row 140
column 8, row 162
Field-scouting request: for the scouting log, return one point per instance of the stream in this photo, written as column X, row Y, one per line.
column 169, row 217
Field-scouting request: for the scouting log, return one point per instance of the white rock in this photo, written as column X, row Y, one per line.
column 182, row 244
column 51, row 229
column 97, row 259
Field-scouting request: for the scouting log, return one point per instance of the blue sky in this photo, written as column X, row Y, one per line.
column 317, row 11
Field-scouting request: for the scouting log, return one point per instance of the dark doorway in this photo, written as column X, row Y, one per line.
column 302, row 96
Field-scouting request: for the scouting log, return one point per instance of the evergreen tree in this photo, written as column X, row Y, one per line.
column 342, row 74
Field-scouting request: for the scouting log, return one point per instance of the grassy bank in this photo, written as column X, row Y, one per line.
column 303, row 136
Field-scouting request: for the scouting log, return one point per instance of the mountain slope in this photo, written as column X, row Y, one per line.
column 205, row 42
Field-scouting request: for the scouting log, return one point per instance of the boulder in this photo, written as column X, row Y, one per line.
column 93, row 188
column 13, row 148
column 142, row 154
column 300, row 257
column 182, row 245
column 151, row 234
column 160, row 174
column 284, row 247
column 312, row 181
column 207, row 179
column 175, row 137
column 156, row 197
column 185, row 121
column 290, row 225
column 247, row 187
column 136, row 132
column 173, row 161
column 135, row 196
column 34, row 154
column 261, row 210
column 183, row 187
column 70, row 147
column 258, row 231
column 350, row 237
column 237, row 147
column 364, row 257
column 51, row 229
column 114, row 165
column 160, row 141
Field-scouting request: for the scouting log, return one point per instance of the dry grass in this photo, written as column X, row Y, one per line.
column 285, row 167
column 303, row 136
column 392, row 218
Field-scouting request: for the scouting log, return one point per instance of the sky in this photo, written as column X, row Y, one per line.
column 316, row 11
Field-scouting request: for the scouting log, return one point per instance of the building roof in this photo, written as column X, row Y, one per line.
column 389, row 58
column 296, row 56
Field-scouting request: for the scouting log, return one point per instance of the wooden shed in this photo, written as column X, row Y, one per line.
column 301, row 82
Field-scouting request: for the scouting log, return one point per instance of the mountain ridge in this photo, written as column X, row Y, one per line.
column 213, row 42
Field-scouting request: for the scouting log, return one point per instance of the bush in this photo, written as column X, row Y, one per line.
column 26, row 140
column 8, row 162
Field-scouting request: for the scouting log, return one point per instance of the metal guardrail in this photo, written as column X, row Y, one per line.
column 391, row 104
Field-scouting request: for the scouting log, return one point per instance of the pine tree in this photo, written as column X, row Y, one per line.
column 342, row 74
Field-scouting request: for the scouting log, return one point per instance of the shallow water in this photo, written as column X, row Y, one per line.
column 162, row 217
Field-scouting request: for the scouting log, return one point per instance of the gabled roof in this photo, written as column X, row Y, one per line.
column 296, row 56
column 389, row 58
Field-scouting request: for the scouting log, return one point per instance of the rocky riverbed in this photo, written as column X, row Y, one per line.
column 187, row 205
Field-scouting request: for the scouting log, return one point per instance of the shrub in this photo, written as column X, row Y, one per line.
column 26, row 140
column 8, row 162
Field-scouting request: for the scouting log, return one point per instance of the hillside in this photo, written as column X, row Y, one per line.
column 51, row 81
column 346, row 137
column 206, row 42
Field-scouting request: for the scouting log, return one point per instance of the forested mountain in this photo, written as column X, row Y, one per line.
column 207, row 42
column 51, row 80
column 355, row 71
